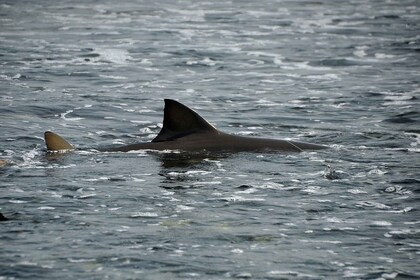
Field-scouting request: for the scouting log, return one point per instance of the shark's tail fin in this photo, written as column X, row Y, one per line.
column 56, row 143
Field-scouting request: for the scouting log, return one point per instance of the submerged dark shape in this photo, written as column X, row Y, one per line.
column 185, row 130
column 3, row 218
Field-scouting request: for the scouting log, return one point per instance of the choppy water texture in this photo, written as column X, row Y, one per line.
column 340, row 73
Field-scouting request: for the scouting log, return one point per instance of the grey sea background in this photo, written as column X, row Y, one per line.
column 345, row 74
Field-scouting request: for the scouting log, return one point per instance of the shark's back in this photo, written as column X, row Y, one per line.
column 185, row 130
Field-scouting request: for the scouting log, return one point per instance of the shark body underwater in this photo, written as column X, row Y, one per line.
column 185, row 130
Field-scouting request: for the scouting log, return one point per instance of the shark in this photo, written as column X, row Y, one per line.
column 185, row 130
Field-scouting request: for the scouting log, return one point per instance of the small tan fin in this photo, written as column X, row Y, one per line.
column 56, row 143
column 3, row 162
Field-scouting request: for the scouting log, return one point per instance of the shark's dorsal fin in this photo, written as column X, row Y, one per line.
column 179, row 121
column 56, row 143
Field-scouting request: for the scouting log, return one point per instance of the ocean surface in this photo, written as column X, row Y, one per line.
column 345, row 74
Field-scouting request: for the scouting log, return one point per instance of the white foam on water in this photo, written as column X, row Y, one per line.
column 116, row 56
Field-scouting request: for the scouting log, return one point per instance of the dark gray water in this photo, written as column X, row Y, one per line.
column 339, row 73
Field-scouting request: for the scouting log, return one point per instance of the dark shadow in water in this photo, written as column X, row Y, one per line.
column 186, row 160
column 175, row 168
column 55, row 157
